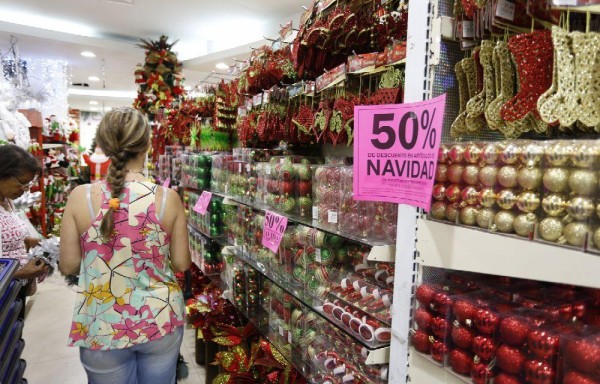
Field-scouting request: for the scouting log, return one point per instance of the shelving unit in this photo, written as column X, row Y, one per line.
column 12, row 367
column 466, row 249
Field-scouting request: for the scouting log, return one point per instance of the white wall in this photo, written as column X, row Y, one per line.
column 88, row 123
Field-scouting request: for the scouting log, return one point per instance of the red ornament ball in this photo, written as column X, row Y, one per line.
column 461, row 361
column 304, row 188
column 505, row 378
column 543, row 343
column 287, row 187
column 423, row 319
column 574, row 377
column 439, row 350
column 462, row 337
column 420, row 341
column 464, row 310
column 440, row 327
column 486, row 320
column 481, row 373
column 425, row 293
column 514, row 330
column 539, row 372
column 510, row 359
column 584, row 355
column 484, row 347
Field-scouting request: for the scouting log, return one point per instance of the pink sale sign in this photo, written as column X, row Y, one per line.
column 395, row 151
column 273, row 230
column 202, row 203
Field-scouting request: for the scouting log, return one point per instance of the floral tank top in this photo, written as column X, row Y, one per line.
column 128, row 293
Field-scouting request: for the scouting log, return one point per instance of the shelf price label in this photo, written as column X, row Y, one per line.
column 202, row 203
column 273, row 230
column 395, row 151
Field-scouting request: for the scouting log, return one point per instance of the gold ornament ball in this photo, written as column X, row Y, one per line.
column 441, row 173
column 504, row 221
column 556, row 179
column 472, row 154
column 531, row 154
column 490, row 153
column 439, row 191
column 471, row 174
column 485, row 217
column 488, row 175
column 455, row 173
column 585, row 154
column 583, row 182
column 438, row 210
column 596, row 238
column 456, row 153
column 451, row 212
column 528, row 202
column 551, row 229
column 558, row 154
column 452, row 193
column 598, row 210
column 524, row 224
column 510, row 154
column 470, row 195
column 576, row 233
column 443, row 153
column 554, row 204
column 507, row 176
column 529, row 178
column 487, row 197
column 506, row 199
column 580, row 208
column 468, row 215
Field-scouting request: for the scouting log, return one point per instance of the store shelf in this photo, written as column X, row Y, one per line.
column 453, row 247
column 379, row 355
column 381, row 251
column 422, row 369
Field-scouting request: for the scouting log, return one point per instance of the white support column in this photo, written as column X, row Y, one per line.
column 414, row 90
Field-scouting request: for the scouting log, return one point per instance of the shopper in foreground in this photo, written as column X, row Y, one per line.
column 18, row 173
column 124, row 237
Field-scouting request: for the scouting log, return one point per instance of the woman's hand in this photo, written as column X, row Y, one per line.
column 32, row 242
column 33, row 268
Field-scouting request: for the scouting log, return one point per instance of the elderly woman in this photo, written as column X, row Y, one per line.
column 18, row 173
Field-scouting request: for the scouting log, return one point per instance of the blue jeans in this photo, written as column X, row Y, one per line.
column 154, row 362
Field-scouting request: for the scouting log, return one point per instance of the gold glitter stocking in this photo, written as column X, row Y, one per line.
column 507, row 89
column 458, row 126
column 587, row 65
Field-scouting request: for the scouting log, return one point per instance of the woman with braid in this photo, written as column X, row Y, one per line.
column 125, row 237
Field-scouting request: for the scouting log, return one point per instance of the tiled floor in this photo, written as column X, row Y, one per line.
column 50, row 361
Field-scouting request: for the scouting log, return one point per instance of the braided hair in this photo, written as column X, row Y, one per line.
column 122, row 134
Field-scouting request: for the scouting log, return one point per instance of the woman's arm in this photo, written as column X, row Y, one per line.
column 180, row 251
column 70, row 246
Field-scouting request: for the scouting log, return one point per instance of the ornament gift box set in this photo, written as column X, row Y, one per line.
column 489, row 329
column 546, row 191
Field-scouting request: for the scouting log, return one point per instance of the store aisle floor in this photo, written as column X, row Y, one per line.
column 49, row 360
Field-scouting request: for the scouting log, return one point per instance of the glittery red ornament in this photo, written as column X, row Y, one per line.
column 514, row 330
column 505, row 378
column 481, row 373
column 486, row 320
column 423, row 319
column 543, row 342
column 304, row 188
column 462, row 336
column 442, row 303
column 464, row 310
column 425, row 294
column 439, row 350
column 574, row 377
column 420, row 341
column 510, row 359
column 484, row 347
column 539, row 372
column 440, row 327
column 287, row 187
column 460, row 361
column 584, row 355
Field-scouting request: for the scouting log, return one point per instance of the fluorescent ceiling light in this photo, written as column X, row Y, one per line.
column 188, row 87
column 93, row 102
column 103, row 93
column 88, row 54
column 93, row 108
column 108, row 109
column 93, row 78
column 48, row 23
column 222, row 66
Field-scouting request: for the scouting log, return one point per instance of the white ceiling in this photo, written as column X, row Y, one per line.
column 208, row 32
